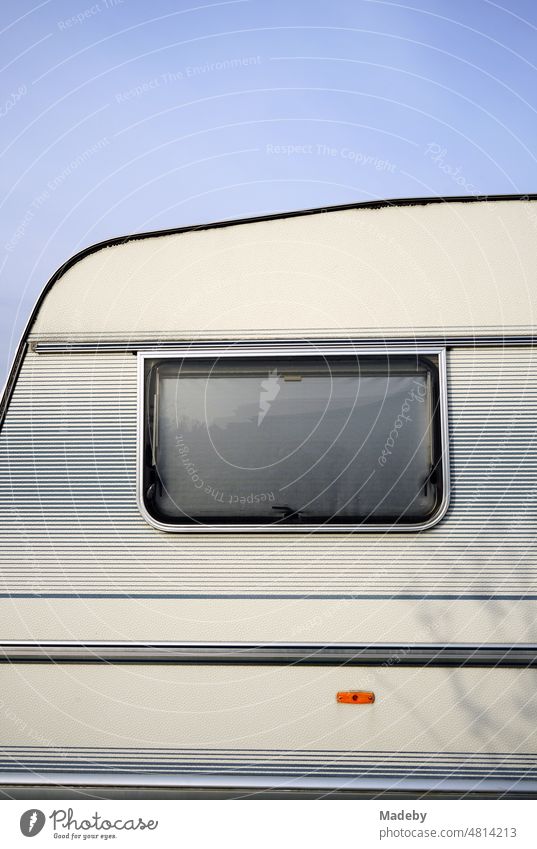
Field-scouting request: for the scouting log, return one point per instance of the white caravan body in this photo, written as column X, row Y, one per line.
column 161, row 631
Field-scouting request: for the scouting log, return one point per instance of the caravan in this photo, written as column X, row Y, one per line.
column 268, row 499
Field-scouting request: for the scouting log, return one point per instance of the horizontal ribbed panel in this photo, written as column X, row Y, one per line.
column 70, row 522
column 42, row 761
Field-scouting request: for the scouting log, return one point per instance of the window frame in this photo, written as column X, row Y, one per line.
column 238, row 350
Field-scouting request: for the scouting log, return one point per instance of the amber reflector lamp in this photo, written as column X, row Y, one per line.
column 356, row 697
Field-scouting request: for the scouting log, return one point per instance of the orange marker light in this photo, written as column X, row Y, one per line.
column 356, row 697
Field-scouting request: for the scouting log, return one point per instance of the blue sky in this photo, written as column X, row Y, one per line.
column 121, row 116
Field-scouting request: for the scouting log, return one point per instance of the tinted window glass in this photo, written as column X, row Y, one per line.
column 307, row 441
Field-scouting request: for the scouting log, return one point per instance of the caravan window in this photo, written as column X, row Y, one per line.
column 291, row 442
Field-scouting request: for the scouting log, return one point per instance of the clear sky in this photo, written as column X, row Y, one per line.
column 121, row 116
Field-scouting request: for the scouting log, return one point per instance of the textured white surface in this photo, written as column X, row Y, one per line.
column 270, row 620
column 418, row 710
column 443, row 267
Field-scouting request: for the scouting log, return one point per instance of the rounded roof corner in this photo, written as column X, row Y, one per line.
column 117, row 241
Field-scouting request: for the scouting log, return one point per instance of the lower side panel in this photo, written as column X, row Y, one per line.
column 253, row 726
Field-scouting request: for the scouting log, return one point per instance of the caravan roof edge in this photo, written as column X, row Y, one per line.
column 119, row 240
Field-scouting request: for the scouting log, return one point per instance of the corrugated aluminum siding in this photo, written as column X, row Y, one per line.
column 393, row 766
column 70, row 522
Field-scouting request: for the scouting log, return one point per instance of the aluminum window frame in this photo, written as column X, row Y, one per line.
column 239, row 350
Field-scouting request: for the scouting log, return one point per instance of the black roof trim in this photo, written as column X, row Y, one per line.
column 275, row 216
